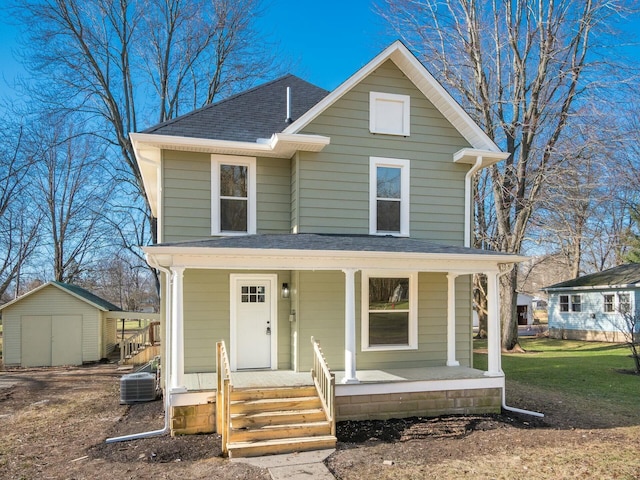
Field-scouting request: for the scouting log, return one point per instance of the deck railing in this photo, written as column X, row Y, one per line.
column 325, row 383
column 223, row 395
column 139, row 340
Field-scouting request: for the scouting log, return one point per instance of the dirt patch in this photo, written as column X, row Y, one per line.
column 54, row 422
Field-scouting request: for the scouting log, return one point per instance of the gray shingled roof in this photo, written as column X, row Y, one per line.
column 330, row 242
column 256, row 113
column 628, row 274
column 90, row 297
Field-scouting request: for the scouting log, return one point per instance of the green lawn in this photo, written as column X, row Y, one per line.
column 586, row 369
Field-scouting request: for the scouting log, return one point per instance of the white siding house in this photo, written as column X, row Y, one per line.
column 596, row 306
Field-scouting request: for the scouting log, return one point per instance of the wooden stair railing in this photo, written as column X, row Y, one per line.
column 147, row 336
column 325, row 383
column 224, row 387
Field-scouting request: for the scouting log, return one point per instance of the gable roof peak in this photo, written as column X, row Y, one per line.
column 417, row 73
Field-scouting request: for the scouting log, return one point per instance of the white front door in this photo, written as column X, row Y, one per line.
column 253, row 321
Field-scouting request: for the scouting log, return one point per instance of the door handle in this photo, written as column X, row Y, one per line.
column 268, row 328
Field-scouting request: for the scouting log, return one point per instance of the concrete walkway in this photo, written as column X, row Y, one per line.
column 293, row 466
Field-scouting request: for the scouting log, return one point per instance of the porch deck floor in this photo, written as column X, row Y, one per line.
column 288, row 378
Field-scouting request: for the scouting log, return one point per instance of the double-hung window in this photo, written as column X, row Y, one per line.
column 609, row 305
column 389, row 311
column 388, row 196
column 233, row 195
column 570, row 303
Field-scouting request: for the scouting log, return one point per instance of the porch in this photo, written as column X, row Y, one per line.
column 390, row 378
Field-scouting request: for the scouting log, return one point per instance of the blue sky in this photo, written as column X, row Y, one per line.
column 326, row 40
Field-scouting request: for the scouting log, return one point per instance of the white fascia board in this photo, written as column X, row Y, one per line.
column 470, row 155
column 278, row 146
column 630, row 286
column 422, row 79
column 272, row 259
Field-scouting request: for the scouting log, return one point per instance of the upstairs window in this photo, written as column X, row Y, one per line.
column 233, row 195
column 388, row 196
column 389, row 113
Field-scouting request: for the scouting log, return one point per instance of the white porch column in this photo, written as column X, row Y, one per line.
column 451, row 321
column 177, row 332
column 494, row 359
column 350, row 326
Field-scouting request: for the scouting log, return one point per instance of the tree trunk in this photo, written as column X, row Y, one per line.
column 508, row 312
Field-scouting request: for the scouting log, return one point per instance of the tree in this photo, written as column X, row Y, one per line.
column 18, row 219
column 72, row 193
column 523, row 68
column 122, row 63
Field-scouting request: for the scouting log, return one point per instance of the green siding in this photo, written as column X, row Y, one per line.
column 334, row 184
column 207, row 318
column 186, row 195
column 321, row 314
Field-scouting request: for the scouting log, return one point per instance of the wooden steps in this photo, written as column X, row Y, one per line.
column 277, row 420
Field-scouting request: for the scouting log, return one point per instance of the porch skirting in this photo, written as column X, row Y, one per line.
column 418, row 404
column 476, row 393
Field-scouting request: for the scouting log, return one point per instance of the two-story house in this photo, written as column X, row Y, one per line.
column 287, row 212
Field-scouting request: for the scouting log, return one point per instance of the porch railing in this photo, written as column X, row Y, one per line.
column 223, row 395
column 139, row 340
column 325, row 383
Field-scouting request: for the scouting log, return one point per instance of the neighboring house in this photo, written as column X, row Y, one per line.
column 286, row 212
column 57, row 324
column 593, row 307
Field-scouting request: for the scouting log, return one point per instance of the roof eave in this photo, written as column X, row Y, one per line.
column 148, row 146
column 302, row 259
column 471, row 155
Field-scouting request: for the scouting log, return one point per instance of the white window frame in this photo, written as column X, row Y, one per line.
column 413, row 310
column 377, row 103
column 405, row 193
column 250, row 163
column 612, row 303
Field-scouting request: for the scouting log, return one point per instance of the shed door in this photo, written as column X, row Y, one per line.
column 66, row 340
column 51, row 340
column 35, row 341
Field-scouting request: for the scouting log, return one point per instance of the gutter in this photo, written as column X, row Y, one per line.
column 165, row 363
column 504, row 389
column 467, row 199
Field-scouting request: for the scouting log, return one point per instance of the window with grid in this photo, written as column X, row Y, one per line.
column 609, row 303
column 564, row 303
column 576, row 303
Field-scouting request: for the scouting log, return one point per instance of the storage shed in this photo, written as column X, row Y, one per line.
column 58, row 324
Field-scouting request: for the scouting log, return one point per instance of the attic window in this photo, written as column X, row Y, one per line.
column 389, row 113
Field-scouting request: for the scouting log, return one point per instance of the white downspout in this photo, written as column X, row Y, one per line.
column 467, row 200
column 164, row 368
column 504, row 389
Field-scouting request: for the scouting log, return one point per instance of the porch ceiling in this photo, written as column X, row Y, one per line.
column 325, row 252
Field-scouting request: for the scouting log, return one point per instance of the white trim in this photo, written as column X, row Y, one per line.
column 377, row 103
column 250, row 163
column 405, row 194
column 381, row 388
column 234, row 278
column 258, row 259
column 413, row 310
column 192, row 398
column 422, row 79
